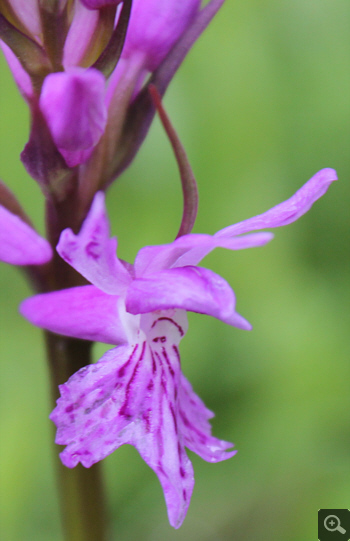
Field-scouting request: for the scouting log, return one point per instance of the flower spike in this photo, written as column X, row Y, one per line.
column 188, row 181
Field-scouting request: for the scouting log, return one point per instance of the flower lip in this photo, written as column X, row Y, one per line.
column 137, row 394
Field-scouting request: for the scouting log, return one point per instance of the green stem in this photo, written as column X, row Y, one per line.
column 81, row 490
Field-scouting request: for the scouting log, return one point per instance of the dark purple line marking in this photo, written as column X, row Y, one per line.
column 177, row 353
column 202, row 437
column 158, row 358
column 165, row 355
column 179, row 328
column 121, row 370
column 154, row 366
column 146, row 418
column 161, row 469
column 159, row 431
column 127, row 390
column 173, row 415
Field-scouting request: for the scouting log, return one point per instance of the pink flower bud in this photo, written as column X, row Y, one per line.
column 80, row 34
column 155, row 26
column 27, row 12
column 74, row 107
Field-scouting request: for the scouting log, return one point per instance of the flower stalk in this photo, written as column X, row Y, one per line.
column 81, row 490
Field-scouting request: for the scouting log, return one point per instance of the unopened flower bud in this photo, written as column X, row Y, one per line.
column 74, row 107
column 27, row 12
column 155, row 26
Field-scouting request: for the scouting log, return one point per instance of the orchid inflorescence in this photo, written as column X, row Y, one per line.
column 93, row 73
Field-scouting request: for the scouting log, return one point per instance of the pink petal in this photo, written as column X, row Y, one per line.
column 189, row 250
column 288, row 211
column 80, row 33
column 20, row 75
column 128, row 398
column 28, row 13
column 196, row 427
column 92, row 253
column 19, row 243
column 73, row 105
column 194, row 256
column 81, row 312
column 188, row 288
column 156, row 26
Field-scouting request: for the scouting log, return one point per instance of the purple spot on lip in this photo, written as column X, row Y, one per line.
column 182, row 473
column 184, row 494
column 161, row 339
column 93, row 250
column 66, row 257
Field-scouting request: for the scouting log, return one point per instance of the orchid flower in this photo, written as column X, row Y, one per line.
column 136, row 393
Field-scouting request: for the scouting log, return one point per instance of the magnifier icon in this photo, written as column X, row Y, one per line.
column 332, row 524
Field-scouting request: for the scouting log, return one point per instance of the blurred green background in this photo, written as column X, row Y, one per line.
column 261, row 103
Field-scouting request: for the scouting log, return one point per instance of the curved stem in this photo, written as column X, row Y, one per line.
column 189, row 184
